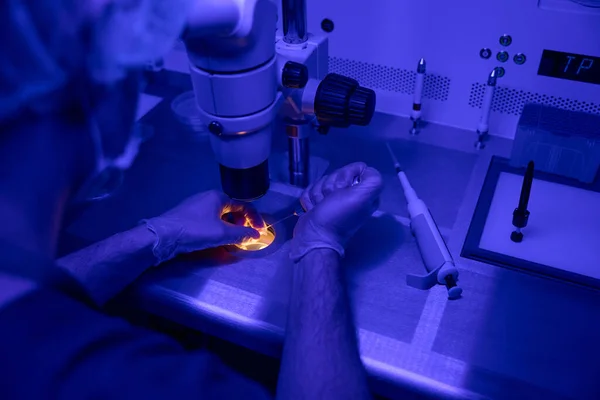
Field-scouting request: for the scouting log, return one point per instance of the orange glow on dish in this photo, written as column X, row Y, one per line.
column 267, row 237
column 267, row 233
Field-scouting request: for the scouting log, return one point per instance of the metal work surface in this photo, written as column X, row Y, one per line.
column 511, row 335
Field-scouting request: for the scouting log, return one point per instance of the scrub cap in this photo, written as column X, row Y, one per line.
column 45, row 44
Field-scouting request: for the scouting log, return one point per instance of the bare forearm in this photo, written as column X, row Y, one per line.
column 320, row 357
column 107, row 267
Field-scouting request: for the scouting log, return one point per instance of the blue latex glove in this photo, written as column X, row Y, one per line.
column 336, row 209
column 198, row 223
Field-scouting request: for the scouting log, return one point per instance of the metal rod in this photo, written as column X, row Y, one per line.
column 294, row 21
column 299, row 157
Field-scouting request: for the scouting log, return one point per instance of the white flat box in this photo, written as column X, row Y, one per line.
column 562, row 237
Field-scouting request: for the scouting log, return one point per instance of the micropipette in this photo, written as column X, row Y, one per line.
column 299, row 210
column 436, row 257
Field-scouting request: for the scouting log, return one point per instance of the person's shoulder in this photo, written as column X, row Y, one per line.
column 13, row 288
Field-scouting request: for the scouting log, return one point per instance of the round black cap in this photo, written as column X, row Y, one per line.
column 294, row 75
column 516, row 237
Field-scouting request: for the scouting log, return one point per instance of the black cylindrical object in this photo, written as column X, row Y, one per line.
column 294, row 75
column 361, row 106
column 340, row 102
column 526, row 187
column 245, row 184
column 520, row 218
column 521, row 214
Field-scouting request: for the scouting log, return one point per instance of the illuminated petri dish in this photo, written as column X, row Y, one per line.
column 267, row 237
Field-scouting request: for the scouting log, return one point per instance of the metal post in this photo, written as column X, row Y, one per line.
column 294, row 21
column 299, row 154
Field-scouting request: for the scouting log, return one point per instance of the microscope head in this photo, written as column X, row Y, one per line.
column 240, row 78
column 235, row 78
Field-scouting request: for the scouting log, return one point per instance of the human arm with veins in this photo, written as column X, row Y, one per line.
column 321, row 357
column 107, row 267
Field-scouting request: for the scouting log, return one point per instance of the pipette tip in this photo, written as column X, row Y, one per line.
column 493, row 78
column 397, row 165
column 422, row 66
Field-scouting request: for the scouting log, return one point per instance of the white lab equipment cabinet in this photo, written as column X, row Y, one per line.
column 378, row 43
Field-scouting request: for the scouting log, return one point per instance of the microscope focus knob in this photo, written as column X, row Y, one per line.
column 294, row 75
column 340, row 102
column 361, row 106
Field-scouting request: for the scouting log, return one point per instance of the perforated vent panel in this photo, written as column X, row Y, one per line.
column 398, row 80
column 511, row 101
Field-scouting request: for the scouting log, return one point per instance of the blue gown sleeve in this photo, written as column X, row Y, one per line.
column 53, row 347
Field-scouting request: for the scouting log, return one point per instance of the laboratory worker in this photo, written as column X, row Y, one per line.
column 68, row 93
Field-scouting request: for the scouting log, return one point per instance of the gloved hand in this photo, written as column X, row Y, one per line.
column 336, row 209
column 198, row 223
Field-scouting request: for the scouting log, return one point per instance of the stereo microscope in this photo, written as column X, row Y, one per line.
column 245, row 76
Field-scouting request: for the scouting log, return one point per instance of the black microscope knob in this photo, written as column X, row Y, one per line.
column 361, row 106
column 294, row 75
column 340, row 101
column 331, row 100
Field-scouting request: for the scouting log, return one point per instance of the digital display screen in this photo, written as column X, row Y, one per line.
column 575, row 67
